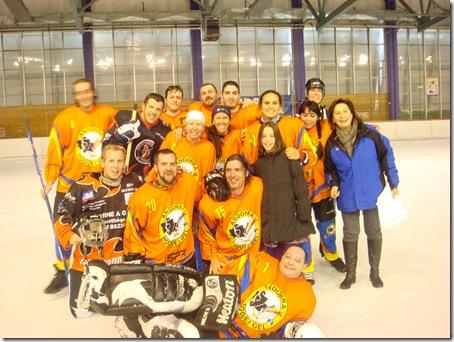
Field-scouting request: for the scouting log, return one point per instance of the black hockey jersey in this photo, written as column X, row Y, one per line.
column 89, row 199
column 145, row 146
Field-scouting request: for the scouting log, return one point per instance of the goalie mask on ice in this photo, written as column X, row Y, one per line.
column 134, row 289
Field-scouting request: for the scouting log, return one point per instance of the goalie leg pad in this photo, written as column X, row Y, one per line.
column 135, row 289
column 221, row 298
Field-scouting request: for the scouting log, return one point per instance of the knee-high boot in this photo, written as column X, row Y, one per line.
column 351, row 259
column 374, row 250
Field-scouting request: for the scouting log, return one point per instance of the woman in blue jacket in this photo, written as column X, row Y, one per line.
column 357, row 158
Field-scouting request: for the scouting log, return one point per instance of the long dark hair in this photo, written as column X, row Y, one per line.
column 350, row 106
column 313, row 107
column 278, row 145
column 216, row 139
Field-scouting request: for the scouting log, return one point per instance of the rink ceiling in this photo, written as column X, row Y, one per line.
column 32, row 14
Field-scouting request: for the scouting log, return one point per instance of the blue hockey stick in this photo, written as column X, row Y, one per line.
column 43, row 187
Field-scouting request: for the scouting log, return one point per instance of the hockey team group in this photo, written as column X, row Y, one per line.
column 195, row 221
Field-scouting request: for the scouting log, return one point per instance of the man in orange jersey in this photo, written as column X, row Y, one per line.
column 91, row 218
column 174, row 115
column 208, row 99
column 159, row 222
column 195, row 154
column 292, row 130
column 273, row 295
column 232, row 228
column 242, row 116
column 74, row 148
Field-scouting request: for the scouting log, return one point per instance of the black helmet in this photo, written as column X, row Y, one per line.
column 315, row 83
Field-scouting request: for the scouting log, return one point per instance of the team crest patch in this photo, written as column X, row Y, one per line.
column 89, row 145
column 87, row 195
column 243, row 229
column 189, row 166
column 143, row 151
column 220, row 164
column 264, row 308
column 174, row 225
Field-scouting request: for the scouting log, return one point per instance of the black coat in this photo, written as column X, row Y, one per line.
column 286, row 208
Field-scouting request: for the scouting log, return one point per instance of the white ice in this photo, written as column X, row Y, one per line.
column 415, row 267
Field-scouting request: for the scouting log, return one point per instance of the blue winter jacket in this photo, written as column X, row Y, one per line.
column 361, row 178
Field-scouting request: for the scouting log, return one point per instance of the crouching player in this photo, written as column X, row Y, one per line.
column 276, row 301
column 91, row 219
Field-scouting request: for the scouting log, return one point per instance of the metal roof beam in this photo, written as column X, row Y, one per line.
column 408, row 8
column 213, row 11
column 312, row 9
column 18, row 9
column 426, row 23
column 341, row 9
column 258, row 7
column 76, row 16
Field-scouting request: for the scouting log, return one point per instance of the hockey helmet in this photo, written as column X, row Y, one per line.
column 315, row 83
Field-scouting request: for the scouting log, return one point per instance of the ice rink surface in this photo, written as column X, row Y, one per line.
column 415, row 267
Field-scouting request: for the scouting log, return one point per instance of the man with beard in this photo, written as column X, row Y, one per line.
column 242, row 116
column 160, row 213
column 146, row 134
column 75, row 144
column 208, row 100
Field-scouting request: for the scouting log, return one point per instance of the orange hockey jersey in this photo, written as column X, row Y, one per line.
column 159, row 222
column 89, row 197
column 268, row 299
column 232, row 144
column 198, row 105
column 245, row 116
column 293, row 134
column 75, row 144
column 174, row 121
column 197, row 159
column 321, row 190
column 231, row 228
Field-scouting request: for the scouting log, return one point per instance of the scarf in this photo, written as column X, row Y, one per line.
column 348, row 138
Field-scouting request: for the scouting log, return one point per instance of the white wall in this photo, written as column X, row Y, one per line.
column 394, row 130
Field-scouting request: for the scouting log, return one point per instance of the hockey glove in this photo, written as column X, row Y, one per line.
column 216, row 186
column 128, row 131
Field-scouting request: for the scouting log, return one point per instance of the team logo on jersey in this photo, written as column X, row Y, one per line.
column 87, row 195
column 189, row 166
column 174, row 225
column 89, row 145
column 243, row 229
column 143, row 151
column 220, row 164
column 264, row 308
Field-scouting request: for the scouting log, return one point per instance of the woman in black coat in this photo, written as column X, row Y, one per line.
column 286, row 208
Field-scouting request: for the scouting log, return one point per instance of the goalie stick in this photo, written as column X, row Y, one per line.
column 43, row 187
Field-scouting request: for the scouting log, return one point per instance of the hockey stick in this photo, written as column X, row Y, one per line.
column 128, row 150
column 43, row 187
